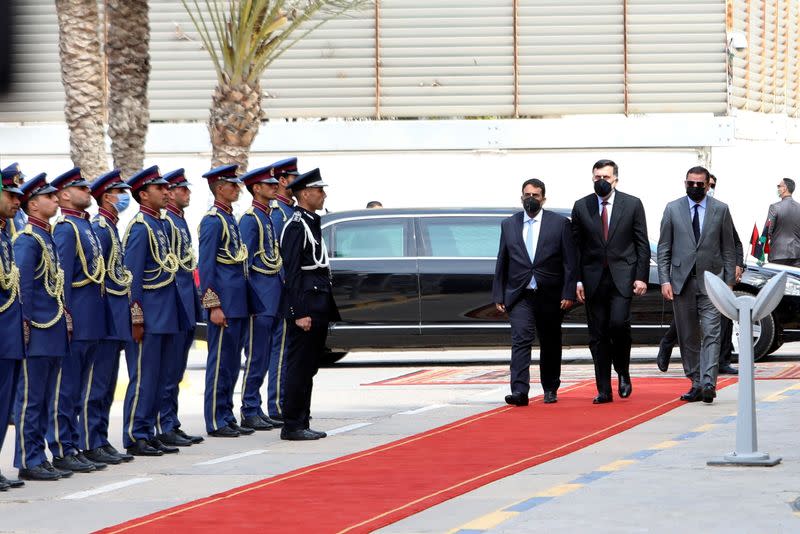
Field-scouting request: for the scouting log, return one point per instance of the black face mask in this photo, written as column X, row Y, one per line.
column 696, row 193
column 531, row 205
column 602, row 188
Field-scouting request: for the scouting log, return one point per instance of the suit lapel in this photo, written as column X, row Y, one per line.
column 616, row 214
column 593, row 209
column 710, row 212
column 685, row 215
column 518, row 237
column 541, row 235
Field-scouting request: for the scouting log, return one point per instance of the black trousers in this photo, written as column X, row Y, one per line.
column 726, row 341
column 305, row 349
column 608, row 314
column 536, row 311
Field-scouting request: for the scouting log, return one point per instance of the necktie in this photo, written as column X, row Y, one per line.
column 604, row 218
column 529, row 239
column 696, row 224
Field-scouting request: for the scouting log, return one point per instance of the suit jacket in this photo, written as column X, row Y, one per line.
column 259, row 235
column 181, row 244
column 627, row 251
column 12, row 343
column 784, row 229
column 554, row 265
column 678, row 252
column 117, row 298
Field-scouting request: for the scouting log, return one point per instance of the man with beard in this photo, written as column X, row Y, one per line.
column 696, row 236
column 534, row 282
column 610, row 233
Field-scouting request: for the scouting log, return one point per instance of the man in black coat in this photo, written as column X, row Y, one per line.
column 610, row 233
column 534, row 282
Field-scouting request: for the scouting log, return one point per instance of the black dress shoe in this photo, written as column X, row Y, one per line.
column 550, row 397
column 99, row 466
column 693, row 395
column 709, row 393
column 172, row 438
column 224, row 432
column 12, row 482
column 517, row 399
column 142, row 448
column 194, row 439
column 278, row 418
column 318, row 433
column 299, row 435
column 64, row 474
column 255, row 422
column 625, row 387
column 241, row 430
column 99, row 455
column 602, row 399
column 109, row 448
column 271, row 421
column 728, row 370
column 40, row 472
column 662, row 360
column 4, row 486
column 71, row 463
column 166, row 449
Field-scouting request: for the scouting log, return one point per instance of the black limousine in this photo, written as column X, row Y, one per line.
column 422, row 278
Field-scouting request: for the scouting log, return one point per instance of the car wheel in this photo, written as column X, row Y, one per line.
column 763, row 334
column 330, row 357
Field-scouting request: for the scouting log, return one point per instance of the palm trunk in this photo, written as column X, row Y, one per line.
column 234, row 122
column 127, row 49
column 82, row 76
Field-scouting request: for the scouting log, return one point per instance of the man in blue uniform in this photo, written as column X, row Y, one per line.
column 12, row 342
column 224, row 290
column 285, row 171
column 168, row 424
column 309, row 303
column 84, row 279
column 265, row 263
column 17, row 223
column 156, row 314
column 111, row 195
column 46, row 320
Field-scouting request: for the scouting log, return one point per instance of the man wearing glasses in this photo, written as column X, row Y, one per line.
column 784, row 226
column 696, row 236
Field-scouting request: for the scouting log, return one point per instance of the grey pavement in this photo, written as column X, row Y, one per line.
column 667, row 490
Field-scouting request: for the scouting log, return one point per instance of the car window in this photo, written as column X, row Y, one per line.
column 371, row 238
column 461, row 237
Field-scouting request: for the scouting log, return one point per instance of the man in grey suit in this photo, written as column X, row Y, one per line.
column 783, row 226
column 696, row 236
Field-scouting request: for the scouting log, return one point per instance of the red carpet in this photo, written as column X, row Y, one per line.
column 370, row 489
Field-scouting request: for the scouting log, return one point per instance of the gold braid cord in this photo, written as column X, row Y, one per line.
column 9, row 281
column 224, row 255
column 98, row 274
column 166, row 264
column 187, row 261
column 273, row 263
column 116, row 271
column 53, row 276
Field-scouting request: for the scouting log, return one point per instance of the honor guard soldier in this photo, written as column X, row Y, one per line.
column 179, row 195
column 157, row 316
column 265, row 263
column 84, row 279
column 17, row 223
column 111, row 195
column 224, row 289
column 309, row 303
column 46, row 320
column 12, row 342
column 285, row 171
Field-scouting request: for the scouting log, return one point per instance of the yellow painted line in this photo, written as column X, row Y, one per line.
column 665, row 444
column 705, row 428
column 616, row 466
column 796, row 386
column 558, row 491
column 200, row 345
column 489, row 521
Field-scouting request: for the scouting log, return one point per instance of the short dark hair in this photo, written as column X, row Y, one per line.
column 789, row 184
column 374, row 204
column 699, row 170
column 535, row 182
column 606, row 163
column 250, row 189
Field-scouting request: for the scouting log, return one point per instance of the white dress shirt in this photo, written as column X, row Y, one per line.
column 533, row 225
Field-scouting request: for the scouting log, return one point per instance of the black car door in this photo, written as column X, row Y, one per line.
column 375, row 282
column 456, row 270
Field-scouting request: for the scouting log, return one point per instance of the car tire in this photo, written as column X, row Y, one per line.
column 330, row 357
column 766, row 334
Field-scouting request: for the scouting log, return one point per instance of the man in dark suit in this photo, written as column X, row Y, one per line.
column 534, row 282
column 610, row 233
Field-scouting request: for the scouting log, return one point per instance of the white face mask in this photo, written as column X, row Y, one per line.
column 710, row 193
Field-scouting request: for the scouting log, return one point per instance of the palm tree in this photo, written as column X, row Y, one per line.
column 243, row 37
column 82, row 76
column 128, row 56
